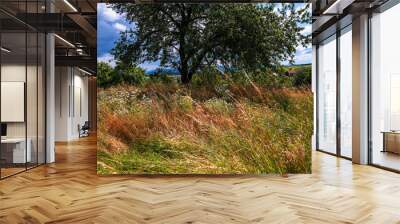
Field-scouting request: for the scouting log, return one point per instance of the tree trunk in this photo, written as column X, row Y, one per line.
column 186, row 75
column 185, row 78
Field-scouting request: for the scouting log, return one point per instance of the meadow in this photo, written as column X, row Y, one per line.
column 219, row 124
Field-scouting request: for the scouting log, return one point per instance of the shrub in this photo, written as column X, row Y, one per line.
column 209, row 77
column 104, row 75
column 303, row 77
column 265, row 78
column 121, row 74
column 129, row 75
column 163, row 78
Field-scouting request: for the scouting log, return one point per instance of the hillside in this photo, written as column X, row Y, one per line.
column 169, row 128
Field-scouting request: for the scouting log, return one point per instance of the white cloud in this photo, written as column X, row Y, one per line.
column 303, row 56
column 150, row 66
column 277, row 7
column 301, row 48
column 307, row 30
column 119, row 26
column 108, row 13
column 107, row 58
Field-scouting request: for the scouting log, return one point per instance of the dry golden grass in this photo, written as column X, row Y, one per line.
column 167, row 128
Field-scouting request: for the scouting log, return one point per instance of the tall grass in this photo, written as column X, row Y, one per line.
column 235, row 128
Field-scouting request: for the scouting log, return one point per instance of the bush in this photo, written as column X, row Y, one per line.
column 104, row 75
column 162, row 78
column 129, row 75
column 266, row 78
column 303, row 77
column 121, row 74
column 209, row 77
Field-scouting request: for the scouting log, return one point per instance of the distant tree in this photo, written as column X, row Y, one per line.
column 303, row 76
column 121, row 74
column 129, row 74
column 190, row 36
column 104, row 74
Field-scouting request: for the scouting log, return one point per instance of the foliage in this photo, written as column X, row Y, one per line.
column 303, row 76
column 191, row 36
column 265, row 78
column 209, row 77
column 162, row 78
column 129, row 74
column 104, row 74
column 121, row 74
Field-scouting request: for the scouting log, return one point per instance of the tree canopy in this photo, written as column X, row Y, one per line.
column 191, row 36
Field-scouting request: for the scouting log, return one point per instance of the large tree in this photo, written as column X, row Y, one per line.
column 190, row 36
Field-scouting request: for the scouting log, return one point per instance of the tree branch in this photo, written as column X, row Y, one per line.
column 173, row 20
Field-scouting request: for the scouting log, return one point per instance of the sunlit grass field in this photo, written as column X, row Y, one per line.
column 168, row 128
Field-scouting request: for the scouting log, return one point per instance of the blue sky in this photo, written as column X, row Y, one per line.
column 110, row 24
